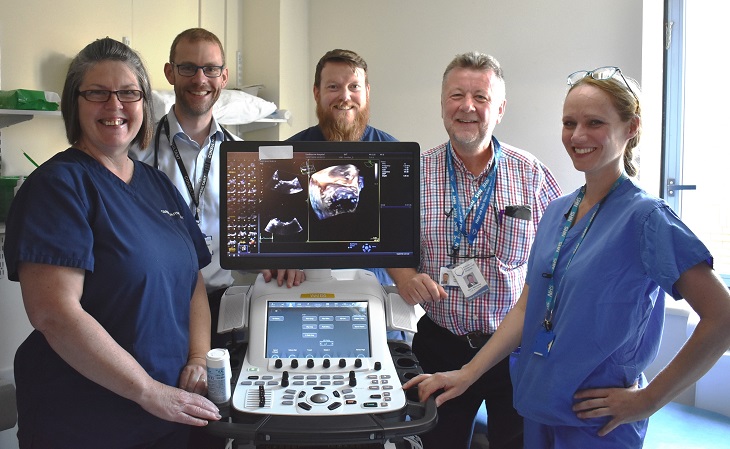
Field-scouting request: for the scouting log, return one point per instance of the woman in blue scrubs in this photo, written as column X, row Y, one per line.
column 108, row 257
column 590, row 317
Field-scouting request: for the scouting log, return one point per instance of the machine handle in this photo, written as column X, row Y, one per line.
column 415, row 418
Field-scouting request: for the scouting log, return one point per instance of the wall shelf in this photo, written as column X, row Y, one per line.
column 9, row 117
column 279, row 116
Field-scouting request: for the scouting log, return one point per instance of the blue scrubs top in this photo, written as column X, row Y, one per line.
column 141, row 250
column 610, row 302
column 369, row 135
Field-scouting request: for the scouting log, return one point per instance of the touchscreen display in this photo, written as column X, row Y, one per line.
column 317, row 329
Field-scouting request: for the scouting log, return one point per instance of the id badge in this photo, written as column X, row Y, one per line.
column 447, row 278
column 209, row 243
column 544, row 342
column 470, row 279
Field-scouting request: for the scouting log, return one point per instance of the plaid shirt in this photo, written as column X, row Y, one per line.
column 521, row 180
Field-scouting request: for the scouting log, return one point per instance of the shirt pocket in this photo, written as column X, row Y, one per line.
column 514, row 237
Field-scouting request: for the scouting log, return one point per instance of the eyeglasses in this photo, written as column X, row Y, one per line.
column 188, row 70
column 102, row 96
column 600, row 74
column 455, row 254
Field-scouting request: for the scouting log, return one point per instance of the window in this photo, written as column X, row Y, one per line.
column 696, row 152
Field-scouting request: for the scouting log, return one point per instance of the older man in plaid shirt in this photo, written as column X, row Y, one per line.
column 481, row 201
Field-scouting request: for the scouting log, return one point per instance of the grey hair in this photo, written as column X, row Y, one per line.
column 101, row 50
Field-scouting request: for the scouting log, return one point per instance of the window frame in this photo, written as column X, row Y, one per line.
column 673, row 108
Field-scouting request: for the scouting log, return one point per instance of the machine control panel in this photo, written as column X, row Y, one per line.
column 318, row 352
column 319, row 387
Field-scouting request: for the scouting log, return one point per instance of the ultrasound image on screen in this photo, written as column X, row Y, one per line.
column 317, row 329
column 322, row 204
column 286, row 183
column 305, row 201
column 335, row 190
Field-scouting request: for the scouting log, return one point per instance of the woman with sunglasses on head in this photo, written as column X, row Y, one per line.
column 108, row 257
column 590, row 317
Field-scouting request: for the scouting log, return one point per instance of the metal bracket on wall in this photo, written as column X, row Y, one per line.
column 672, row 187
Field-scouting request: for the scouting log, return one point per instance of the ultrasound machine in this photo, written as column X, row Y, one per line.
column 316, row 368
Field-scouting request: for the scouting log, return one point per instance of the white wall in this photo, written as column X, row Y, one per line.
column 408, row 43
column 275, row 51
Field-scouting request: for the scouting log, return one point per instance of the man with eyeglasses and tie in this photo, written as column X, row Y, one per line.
column 481, row 201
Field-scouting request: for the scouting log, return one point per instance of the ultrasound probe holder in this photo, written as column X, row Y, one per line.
column 328, row 388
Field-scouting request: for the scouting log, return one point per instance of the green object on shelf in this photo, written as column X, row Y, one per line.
column 35, row 164
column 7, row 191
column 26, row 99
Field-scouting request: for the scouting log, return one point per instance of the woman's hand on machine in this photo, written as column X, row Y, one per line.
column 177, row 405
column 445, row 386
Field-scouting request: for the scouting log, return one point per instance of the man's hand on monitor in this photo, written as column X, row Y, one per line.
column 291, row 276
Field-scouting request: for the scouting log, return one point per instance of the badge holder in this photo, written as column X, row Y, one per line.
column 545, row 338
column 470, row 279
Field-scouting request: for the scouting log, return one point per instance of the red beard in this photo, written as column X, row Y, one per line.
column 340, row 129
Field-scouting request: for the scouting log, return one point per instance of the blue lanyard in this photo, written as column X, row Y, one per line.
column 485, row 189
column 550, row 297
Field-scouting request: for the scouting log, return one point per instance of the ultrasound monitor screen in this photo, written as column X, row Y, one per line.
column 320, row 204
column 317, row 329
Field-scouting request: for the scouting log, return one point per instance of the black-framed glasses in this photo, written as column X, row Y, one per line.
column 102, row 96
column 455, row 254
column 600, row 74
column 468, row 251
column 188, row 70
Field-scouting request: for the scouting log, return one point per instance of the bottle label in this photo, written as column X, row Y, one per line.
column 219, row 384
